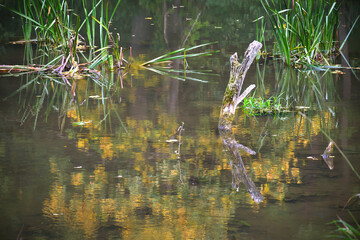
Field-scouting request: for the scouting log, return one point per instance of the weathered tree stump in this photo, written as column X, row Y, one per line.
column 232, row 98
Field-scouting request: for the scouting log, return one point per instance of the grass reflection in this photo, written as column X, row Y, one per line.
column 295, row 89
column 41, row 96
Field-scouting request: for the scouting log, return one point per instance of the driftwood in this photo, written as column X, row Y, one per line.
column 232, row 98
column 76, row 70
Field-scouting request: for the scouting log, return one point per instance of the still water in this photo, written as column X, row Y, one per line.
column 146, row 160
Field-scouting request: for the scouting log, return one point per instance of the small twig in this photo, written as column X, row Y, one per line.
column 350, row 199
column 192, row 27
column 179, row 130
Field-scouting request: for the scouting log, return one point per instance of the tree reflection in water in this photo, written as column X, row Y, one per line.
column 238, row 169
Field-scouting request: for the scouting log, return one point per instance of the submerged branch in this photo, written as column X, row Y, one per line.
column 57, row 70
column 192, row 27
column 18, row 69
column 232, row 98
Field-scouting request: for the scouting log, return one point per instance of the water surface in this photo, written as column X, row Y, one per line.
column 123, row 175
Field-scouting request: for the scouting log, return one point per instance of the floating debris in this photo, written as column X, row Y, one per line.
column 81, row 123
column 338, row 72
column 95, row 96
column 302, row 107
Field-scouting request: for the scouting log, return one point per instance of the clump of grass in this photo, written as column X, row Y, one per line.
column 305, row 31
column 258, row 106
column 345, row 230
column 66, row 53
column 57, row 30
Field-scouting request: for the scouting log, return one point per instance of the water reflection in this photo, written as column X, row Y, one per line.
column 238, row 170
column 122, row 177
column 111, row 173
column 128, row 180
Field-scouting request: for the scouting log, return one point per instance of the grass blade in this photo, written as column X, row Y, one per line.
column 347, row 36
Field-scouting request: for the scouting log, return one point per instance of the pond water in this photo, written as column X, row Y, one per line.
column 109, row 164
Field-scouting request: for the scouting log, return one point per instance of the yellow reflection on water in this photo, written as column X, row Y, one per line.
column 151, row 193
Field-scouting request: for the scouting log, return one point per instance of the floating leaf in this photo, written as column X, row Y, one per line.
column 338, row 72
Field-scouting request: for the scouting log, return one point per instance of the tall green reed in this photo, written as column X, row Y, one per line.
column 59, row 29
column 305, row 31
column 345, row 230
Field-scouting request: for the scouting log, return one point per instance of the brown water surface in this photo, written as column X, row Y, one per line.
column 123, row 174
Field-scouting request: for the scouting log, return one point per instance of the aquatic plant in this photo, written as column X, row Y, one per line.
column 305, row 31
column 163, row 64
column 259, row 106
column 63, row 51
column 57, row 30
column 345, row 230
column 294, row 90
column 184, row 54
column 260, row 34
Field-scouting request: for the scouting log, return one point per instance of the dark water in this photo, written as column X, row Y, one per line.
column 123, row 175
